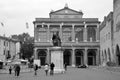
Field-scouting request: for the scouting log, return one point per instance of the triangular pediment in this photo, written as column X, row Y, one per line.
column 66, row 11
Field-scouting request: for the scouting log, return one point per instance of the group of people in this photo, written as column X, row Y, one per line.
column 16, row 69
column 46, row 68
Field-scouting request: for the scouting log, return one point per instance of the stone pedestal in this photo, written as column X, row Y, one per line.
column 56, row 56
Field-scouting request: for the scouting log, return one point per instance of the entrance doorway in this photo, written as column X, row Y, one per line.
column 67, row 57
column 118, row 54
column 91, row 57
column 119, row 60
column 42, row 56
column 79, row 57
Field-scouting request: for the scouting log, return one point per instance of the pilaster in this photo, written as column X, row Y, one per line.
column 85, row 32
column 48, row 33
column 97, row 33
column 97, row 56
column 35, row 53
column 85, row 57
column 73, row 33
column 48, row 56
column 73, row 57
column 35, row 32
column 61, row 31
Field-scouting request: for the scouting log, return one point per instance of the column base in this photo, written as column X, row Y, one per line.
column 59, row 71
column 73, row 40
column 85, row 40
column 73, row 65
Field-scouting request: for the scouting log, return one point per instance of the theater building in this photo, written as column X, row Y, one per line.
column 79, row 37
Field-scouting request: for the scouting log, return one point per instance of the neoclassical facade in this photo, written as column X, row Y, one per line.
column 79, row 36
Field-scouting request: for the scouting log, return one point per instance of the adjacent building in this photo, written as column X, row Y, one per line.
column 116, row 15
column 8, row 48
column 79, row 36
column 106, row 40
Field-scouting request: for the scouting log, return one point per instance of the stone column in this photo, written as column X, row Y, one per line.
column 35, row 53
column 97, row 33
column 61, row 31
column 97, row 56
column 73, row 33
column 85, row 57
column 48, row 33
column 73, row 57
column 48, row 56
column 35, row 33
column 85, row 32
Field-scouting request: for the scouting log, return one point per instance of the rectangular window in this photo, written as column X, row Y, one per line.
column 67, row 37
column 42, row 36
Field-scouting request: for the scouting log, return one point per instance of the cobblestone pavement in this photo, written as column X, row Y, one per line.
column 112, row 69
column 71, row 74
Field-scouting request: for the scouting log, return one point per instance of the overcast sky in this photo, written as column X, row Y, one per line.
column 15, row 13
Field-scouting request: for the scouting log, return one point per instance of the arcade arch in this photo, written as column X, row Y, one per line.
column 109, row 55
column 67, row 57
column 91, row 57
column 118, row 54
column 78, row 57
column 42, row 56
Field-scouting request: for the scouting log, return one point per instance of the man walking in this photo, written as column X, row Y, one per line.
column 35, row 69
column 18, row 70
column 52, row 65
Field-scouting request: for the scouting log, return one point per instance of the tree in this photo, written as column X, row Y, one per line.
column 26, row 40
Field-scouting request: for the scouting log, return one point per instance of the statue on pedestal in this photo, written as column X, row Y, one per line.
column 56, row 39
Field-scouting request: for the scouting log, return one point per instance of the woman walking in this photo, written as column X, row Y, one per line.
column 46, row 68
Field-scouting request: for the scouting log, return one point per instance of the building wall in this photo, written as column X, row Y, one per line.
column 106, row 39
column 7, row 47
column 18, row 47
column 2, row 54
column 12, row 48
column 116, row 8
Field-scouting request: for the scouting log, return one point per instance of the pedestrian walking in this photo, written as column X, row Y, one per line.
column 18, row 70
column 35, row 69
column 65, row 66
column 10, row 69
column 46, row 68
column 52, row 65
column 15, row 69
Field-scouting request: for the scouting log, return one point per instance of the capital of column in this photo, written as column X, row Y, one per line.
column 61, row 24
column 97, row 26
column 73, row 25
column 48, row 25
column 85, row 26
column 43, row 24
